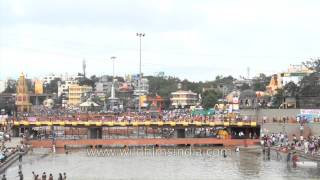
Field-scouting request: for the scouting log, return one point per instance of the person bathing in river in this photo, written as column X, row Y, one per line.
column 295, row 159
column 224, row 153
column 289, row 157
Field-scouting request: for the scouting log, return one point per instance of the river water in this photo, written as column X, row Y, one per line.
column 237, row 165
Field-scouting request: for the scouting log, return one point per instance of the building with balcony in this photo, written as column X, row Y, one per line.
column 294, row 74
column 125, row 93
column 63, row 91
column 143, row 89
column 102, row 89
column 76, row 92
column 63, row 87
column 183, row 99
column 23, row 96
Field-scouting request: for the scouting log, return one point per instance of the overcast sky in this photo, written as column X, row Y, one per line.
column 197, row 40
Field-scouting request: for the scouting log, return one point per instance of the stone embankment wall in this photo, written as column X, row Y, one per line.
column 142, row 142
column 274, row 121
column 270, row 114
column 291, row 128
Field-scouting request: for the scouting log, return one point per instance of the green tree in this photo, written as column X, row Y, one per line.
column 193, row 86
column 309, row 85
column 244, row 86
column 30, row 85
column 210, row 98
column 162, row 86
column 52, row 87
column 258, row 86
column 94, row 79
column 218, row 77
column 11, row 86
column 277, row 99
column 291, row 90
column 261, row 82
column 224, row 80
column 89, row 81
column 313, row 64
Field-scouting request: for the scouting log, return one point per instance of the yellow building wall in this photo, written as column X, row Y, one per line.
column 38, row 87
column 75, row 93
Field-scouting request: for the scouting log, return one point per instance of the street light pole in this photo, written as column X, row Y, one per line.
column 140, row 74
column 112, row 88
column 113, row 58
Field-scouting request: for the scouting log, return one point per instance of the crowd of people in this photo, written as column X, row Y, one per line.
column 275, row 139
column 7, row 152
column 37, row 177
column 309, row 145
column 50, row 177
column 165, row 115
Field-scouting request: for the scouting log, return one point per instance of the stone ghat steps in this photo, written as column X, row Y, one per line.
column 300, row 153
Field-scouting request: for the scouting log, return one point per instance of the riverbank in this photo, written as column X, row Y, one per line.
column 12, row 158
column 10, row 152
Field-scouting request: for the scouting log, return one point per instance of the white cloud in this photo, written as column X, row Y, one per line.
column 17, row 7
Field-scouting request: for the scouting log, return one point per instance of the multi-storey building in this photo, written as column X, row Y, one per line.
column 76, row 92
column 23, row 97
column 294, row 74
column 143, row 89
column 183, row 99
column 103, row 88
column 63, row 88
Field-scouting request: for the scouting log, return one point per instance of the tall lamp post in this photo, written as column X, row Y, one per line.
column 112, row 98
column 113, row 58
column 140, row 35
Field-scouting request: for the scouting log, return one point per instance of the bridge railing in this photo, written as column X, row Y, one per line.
column 132, row 119
column 184, row 122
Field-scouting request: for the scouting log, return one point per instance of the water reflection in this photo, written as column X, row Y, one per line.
column 242, row 165
column 249, row 163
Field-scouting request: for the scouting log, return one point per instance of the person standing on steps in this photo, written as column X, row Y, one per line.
column 44, row 176
column 50, row 177
column 20, row 175
column 34, row 175
column 4, row 177
column 20, row 157
column 60, row 177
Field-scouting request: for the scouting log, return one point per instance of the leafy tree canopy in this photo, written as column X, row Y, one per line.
column 210, row 98
column 313, row 64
